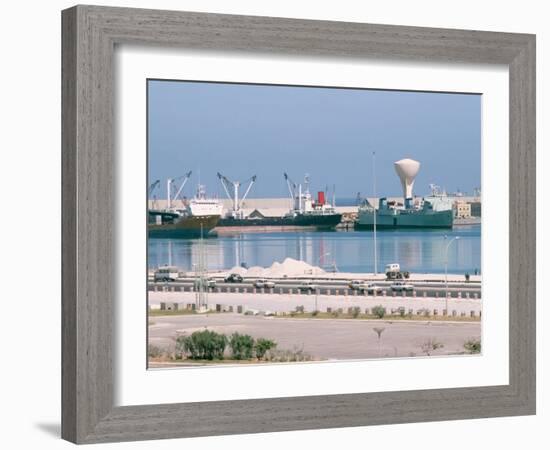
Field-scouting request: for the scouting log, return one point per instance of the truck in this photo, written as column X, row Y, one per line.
column 166, row 273
column 393, row 272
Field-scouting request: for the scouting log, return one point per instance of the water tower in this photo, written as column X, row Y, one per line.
column 407, row 169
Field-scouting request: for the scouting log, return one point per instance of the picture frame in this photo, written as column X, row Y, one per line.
column 89, row 37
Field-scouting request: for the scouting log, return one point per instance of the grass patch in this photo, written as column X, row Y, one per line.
column 177, row 312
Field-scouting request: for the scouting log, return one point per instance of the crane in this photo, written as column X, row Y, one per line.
column 169, row 187
column 229, row 185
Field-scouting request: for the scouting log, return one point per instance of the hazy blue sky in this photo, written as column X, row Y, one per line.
column 245, row 130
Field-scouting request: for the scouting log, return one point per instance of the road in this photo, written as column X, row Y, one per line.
column 333, row 287
column 324, row 338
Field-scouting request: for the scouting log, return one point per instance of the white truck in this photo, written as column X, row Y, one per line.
column 393, row 272
column 166, row 273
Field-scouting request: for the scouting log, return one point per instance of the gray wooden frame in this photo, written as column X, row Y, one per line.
column 89, row 37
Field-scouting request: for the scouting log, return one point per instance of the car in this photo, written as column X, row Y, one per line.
column 208, row 283
column 400, row 286
column 233, row 278
column 370, row 288
column 307, row 286
column 354, row 284
column 263, row 283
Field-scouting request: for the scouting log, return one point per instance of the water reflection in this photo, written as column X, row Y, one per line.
column 416, row 251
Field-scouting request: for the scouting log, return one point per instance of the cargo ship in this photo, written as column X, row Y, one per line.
column 434, row 211
column 431, row 212
column 306, row 213
column 197, row 218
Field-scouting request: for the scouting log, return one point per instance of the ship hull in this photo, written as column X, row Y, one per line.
column 311, row 222
column 184, row 227
column 435, row 219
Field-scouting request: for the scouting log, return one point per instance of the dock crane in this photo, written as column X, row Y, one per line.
column 169, row 182
column 152, row 188
column 229, row 185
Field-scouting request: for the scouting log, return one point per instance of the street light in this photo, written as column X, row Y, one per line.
column 316, row 287
column 456, row 238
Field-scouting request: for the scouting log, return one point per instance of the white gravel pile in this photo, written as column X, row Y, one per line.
column 288, row 268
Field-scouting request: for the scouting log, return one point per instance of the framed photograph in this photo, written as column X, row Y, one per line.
column 278, row 224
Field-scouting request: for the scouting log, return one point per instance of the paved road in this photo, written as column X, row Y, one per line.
column 326, row 288
column 324, row 338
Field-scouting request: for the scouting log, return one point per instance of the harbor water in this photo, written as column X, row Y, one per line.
column 420, row 251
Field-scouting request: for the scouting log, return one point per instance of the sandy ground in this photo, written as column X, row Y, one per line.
column 325, row 338
column 286, row 302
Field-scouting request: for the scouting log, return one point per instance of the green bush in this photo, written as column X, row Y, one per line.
column 355, row 313
column 262, row 346
column 202, row 345
column 242, row 346
column 473, row 346
column 379, row 311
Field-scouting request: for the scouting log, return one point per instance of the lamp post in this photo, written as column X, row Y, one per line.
column 316, row 287
column 456, row 238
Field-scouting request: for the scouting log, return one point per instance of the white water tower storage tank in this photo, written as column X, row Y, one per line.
column 407, row 169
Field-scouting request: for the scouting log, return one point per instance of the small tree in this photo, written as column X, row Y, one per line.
column 262, row 346
column 202, row 345
column 379, row 311
column 472, row 346
column 242, row 346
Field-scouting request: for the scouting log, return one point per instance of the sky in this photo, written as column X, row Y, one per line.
column 243, row 130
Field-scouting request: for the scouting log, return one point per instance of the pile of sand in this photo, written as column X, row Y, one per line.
column 288, row 268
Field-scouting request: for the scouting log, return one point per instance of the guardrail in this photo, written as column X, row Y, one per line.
column 346, row 292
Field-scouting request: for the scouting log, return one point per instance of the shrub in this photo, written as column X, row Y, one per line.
column 472, row 346
column 262, row 346
column 355, row 313
column 430, row 346
column 241, row 345
column 379, row 311
column 153, row 351
column 202, row 345
column 401, row 311
column 315, row 313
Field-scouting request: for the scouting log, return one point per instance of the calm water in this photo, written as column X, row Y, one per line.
column 415, row 250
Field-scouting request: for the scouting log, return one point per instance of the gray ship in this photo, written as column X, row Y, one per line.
column 435, row 211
